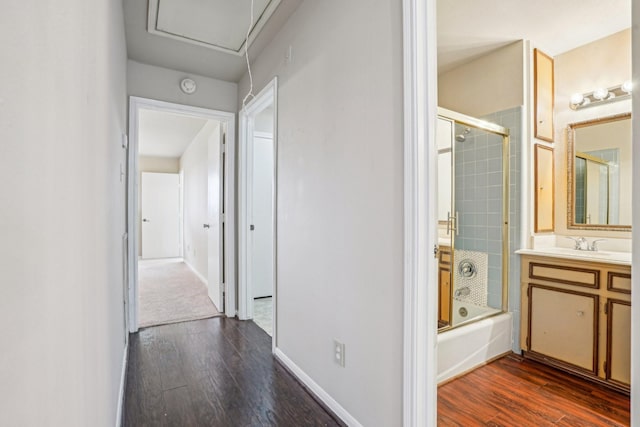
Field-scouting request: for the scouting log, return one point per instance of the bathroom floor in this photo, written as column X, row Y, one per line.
column 263, row 314
column 513, row 391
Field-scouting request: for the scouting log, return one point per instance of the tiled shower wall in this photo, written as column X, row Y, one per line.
column 478, row 201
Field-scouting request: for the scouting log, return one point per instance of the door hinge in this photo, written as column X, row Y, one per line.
column 435, row 251
column 604, row 366
column 528, row 341
column 223, row 217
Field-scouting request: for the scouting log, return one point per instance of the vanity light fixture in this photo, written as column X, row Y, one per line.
column 601, row 96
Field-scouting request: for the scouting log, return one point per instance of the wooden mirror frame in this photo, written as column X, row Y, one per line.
column 571, row 224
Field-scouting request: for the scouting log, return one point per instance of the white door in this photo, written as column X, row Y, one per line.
column 214, row 201
column 160, row 211
column 262, row 216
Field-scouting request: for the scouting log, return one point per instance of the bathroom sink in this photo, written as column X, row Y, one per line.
column 609, row 256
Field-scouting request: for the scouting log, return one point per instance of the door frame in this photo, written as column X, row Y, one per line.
column 137, row 104
column 267, row 96
column 420, row 216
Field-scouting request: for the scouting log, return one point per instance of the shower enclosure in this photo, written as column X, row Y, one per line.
column 473, row 216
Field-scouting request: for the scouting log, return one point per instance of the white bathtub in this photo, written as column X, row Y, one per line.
column 468, row 346
column 465, row 312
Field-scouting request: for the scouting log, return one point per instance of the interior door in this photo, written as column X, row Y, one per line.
column 160, row 211
column 262, row 216
column 215, row 200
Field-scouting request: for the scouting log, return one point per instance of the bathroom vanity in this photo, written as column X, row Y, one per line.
column 576, row 312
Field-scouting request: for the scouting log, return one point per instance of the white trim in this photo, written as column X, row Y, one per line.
column 227, row 119
column 123, row 386
column 318, row 391
column 267, row 96
column 420, row 300
column 635, row 233
column 197, row 273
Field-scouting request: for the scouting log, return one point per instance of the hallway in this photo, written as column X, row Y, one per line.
column 213, row 372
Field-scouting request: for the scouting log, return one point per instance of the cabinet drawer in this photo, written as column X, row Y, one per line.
column 563, row 326
column 563, row 274
column 445, row 256
column 619, row 282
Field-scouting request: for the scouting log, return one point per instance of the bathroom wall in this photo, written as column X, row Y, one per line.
column 493, row 82
column 602, row 63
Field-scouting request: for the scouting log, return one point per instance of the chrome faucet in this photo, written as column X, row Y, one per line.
column 462, row 292
column 582, row 244
column 594, row 244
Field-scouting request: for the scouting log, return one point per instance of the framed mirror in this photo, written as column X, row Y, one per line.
column 599, row 174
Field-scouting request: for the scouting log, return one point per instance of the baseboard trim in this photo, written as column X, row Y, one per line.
column 200, row 276
column 123, row 387
column 316, row 390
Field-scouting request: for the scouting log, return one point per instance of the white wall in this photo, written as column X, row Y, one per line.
column 163, row 84
column 340, row 202
column 153, row 164
column 194, row 168
column 488, row 84
column 62, row 114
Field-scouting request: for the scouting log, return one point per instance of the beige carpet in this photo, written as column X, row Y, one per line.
column 169, row 292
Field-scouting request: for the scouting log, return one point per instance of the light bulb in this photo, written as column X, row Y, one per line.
column 627, row 86
column 600, row 93
column 577, row 99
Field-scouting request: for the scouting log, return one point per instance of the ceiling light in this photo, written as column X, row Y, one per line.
column 627, row 86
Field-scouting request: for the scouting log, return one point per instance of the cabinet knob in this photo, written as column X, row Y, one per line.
column 580, row 313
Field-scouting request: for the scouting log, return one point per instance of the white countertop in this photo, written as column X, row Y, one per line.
column 620, row 258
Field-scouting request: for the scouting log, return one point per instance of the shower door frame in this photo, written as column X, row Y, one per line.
column 464, row 120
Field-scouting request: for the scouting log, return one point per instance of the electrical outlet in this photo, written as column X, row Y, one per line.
column 338, row 352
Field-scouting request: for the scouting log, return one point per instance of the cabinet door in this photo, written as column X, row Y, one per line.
column 563, row 327
column 543, row 95
column 544, row 189
column 619, row 342
column 444, row 306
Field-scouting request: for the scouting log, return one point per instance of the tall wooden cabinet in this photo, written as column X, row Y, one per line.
column 576, row 315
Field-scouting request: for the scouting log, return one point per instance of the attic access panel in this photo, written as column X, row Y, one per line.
column 217, row 24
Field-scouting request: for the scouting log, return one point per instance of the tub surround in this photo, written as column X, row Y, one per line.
column 463, row 349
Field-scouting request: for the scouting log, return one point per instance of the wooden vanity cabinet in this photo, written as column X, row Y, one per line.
column 576, row 316
column 444, row 285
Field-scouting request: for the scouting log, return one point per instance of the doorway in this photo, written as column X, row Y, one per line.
column 257, row 203
column 179, row 152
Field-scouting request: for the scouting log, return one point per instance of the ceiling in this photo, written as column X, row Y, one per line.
column 223, row 20
column 468, row 29
column 164, row 134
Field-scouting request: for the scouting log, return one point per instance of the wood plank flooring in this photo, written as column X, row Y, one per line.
column 513, row 391
column 213, row 372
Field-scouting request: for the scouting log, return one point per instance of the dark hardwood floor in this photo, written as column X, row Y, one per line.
column 213, row 372
column 513, row 391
